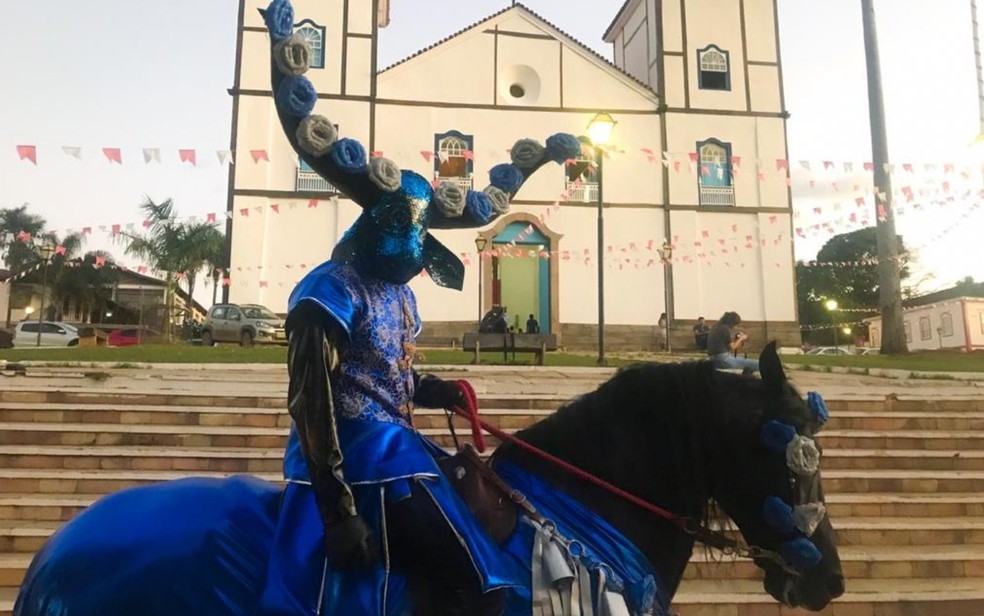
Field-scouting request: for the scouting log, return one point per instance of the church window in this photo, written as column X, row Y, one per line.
column 315, row 37
column 713, row 69
column 453, row 155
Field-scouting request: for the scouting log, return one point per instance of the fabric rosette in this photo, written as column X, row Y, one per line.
column 526, row 153
column 279, row 19
column 562, row 147
column 499, row 198
column 478, row 206
column 316, row 134
column 802, row 456
column 385, row 174
column 506, row 177
column 296, row 96
column 349, row 155
column 292, row 55
column 450, row 200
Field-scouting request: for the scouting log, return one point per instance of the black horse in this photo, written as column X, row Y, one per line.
column 680, row 436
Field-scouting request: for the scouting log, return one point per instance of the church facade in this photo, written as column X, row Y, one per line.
column 695, row 89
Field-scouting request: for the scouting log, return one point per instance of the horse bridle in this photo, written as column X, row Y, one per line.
column 691, row 526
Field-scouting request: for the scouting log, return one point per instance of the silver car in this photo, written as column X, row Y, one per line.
column 53, row 334
column 247, row 324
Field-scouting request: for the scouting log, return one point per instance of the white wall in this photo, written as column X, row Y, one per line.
column 967, row 316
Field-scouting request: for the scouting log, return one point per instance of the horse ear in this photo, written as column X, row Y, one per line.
column 771, row 368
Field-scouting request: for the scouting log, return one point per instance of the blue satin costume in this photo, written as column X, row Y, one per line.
column 373, row 394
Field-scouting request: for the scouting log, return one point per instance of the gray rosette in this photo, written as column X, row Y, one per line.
column 450, row 200
column 526, row 153
column 500, row 200
column 802, row 456
column 292, row 55
column 808, row 517
column 385, row 174
column 316, row 134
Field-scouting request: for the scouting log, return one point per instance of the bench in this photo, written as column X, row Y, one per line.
column 538, row 344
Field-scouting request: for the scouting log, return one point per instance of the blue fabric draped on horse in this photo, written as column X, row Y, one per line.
column 204, row 546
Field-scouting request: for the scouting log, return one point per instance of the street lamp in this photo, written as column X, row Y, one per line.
column 480, row 244
column 600, row 129
column 665, row 255
column 47, row 250
column 831, row 305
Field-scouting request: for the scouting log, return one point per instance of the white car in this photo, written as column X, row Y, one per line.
column 828, row 351
column 53, row 334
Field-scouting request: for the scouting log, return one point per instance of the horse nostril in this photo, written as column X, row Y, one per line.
column 835, row 585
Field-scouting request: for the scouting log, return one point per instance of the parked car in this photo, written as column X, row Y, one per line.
column 246, row 324
column 123, row 338
column 53, row 334
column 828, row 351
column 867, row 351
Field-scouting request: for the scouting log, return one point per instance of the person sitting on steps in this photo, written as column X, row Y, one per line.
column 724, row 340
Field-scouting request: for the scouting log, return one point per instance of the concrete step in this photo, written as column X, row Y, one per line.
column 223, row 459
column 900, row 481
column 887, row 421
column 934, row 440
column 95, row 481
column 903, row 459
column 72, row 434
column 25, row 536
column 927, row 505
column 882, row 597
column 863, row 562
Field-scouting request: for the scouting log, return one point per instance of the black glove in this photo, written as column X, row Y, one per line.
column 350, row 544
column 434, row 393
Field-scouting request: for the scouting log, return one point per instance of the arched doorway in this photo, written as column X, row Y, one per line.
column 521, row 282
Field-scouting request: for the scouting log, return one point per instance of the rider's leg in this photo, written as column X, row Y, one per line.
column 442, row 577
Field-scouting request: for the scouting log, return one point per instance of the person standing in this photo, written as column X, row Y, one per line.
column 723, row 340
column 700, row 334
column 532, row 325
column 661, row 332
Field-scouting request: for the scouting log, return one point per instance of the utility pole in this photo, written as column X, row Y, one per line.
column 977, row 62
column 889, row 282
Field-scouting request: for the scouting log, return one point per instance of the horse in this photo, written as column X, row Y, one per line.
column 686, row 437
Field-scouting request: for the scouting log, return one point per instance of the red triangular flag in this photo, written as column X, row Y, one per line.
column 59, row 250
column 28, row 152
column 210, row 217
column 275, row 207
column 100, row 261
column 782, row 163
column 226, row 282
column 113, row 155
column 377, row 154
column 187, row 156
column 117, row 229
column 264, row 284
column 427, row 155
column 244, row 211
column 86, row 230
column 147, row 224
column 259, row 155
column 313, row 203
column 468, row 155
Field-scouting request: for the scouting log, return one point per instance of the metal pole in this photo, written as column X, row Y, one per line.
column 599, row 157
column 44, row 286
column 836, row 340
column 977, row 60
column 890, row 291
column 479, row 291
column 666, row 301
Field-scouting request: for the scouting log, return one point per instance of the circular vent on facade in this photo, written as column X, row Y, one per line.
column 519, row 85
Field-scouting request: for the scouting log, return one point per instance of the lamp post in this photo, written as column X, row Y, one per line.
column 480, row 244
column 831, row 305
column 600, row 129
column 47, row 250
column 665, row 254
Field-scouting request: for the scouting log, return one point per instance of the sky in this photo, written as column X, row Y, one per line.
column 144, row 73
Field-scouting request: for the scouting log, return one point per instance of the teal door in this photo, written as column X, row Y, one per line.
column 523, row 282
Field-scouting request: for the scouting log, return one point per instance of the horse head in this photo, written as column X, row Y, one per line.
column 764, row 472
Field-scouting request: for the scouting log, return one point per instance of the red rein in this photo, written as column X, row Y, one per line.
column 477, row 425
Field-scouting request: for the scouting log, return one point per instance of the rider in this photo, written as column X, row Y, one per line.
column 358, row 473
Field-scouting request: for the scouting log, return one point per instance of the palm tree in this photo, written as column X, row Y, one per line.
column 172, row 247
column 88, row 284
column 202, row 244
column 17, row 254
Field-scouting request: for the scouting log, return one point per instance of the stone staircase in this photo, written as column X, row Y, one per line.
column 904, row 482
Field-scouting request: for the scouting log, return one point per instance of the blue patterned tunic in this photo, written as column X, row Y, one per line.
column 376, row 378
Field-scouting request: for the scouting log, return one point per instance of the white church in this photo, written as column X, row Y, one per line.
column 695, row 89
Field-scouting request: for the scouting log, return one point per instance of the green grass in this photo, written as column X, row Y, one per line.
column 935, row 361
column 129, row 357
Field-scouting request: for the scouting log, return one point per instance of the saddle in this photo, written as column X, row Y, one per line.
column 495, row 505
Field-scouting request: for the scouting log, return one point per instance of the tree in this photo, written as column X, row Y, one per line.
column 846, row 271
column 172, row 247
column 16, row 224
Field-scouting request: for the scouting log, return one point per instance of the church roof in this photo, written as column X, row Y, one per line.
column 622, row 14
column 560, row 34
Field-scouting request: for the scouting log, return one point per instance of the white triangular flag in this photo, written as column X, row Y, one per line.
column 151, row 155
column 225, row 156
column 443, row 156
column 73, row 151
